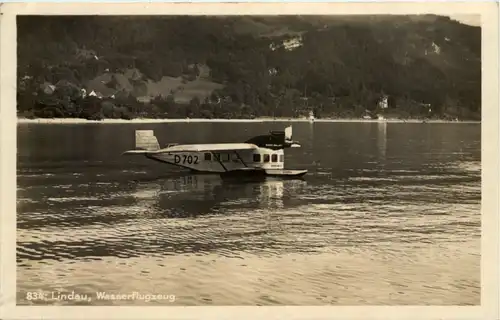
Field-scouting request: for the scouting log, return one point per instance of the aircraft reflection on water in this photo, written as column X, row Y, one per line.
column 188, row 195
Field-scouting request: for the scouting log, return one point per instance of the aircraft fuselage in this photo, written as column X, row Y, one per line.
column 222, row 161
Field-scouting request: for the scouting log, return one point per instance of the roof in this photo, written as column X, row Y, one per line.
column 209, row 147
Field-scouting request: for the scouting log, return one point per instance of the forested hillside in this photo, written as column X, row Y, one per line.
column 248, row 66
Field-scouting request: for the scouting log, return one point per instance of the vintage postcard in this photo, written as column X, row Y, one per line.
column 249, row 160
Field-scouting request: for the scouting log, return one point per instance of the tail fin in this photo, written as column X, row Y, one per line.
column 146, row 140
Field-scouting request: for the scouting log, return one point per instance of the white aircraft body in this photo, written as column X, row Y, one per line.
column 261, row 154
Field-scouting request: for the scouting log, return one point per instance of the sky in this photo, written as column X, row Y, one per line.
column 473, row 20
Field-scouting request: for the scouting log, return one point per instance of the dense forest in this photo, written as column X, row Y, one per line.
column 97, row 67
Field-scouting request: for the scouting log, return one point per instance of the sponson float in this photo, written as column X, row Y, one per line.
column 261, row 156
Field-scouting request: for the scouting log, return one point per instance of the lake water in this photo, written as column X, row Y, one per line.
column 389, row 214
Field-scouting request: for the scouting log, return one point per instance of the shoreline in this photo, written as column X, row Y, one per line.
column 146, row 120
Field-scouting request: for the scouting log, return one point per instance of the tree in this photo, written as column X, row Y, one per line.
column 352, row 60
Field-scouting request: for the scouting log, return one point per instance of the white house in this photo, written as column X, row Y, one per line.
column 48, row 88
column 293, row 43
column 383, row 102
column 436, row 48
column 288, row 44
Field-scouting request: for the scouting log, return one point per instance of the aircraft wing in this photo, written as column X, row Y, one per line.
column 139, row 151
column 209, row 147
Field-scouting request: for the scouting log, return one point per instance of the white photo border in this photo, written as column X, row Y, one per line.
column 488, row 12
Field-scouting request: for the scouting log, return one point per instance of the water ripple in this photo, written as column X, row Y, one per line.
column 385, row 222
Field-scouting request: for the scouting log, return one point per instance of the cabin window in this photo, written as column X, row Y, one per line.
column 274, row 158
column 266, row 158
column 208, row 156
column 282, row 158
column 256, row 157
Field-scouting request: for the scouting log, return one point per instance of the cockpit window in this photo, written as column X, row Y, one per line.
column 208, row 156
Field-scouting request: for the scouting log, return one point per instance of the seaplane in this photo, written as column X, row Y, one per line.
column 258, row 157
